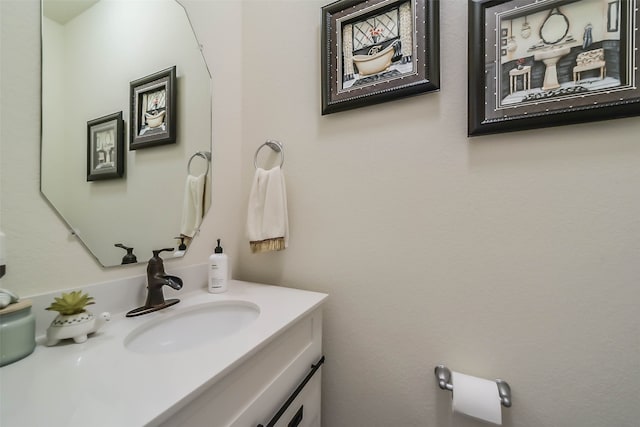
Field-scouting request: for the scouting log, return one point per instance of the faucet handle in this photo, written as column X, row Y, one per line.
column 157, row 251
column 130, row 257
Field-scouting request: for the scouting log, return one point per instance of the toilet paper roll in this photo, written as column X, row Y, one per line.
column 476, row 397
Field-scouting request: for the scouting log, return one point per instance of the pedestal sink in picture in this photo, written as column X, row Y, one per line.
column 550, row 58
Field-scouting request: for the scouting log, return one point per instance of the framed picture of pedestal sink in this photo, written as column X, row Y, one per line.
column 105, row 147
column 565, row 63
column 375, row 51
column 153, row 110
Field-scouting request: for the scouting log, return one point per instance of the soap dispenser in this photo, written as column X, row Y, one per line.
column 182, row 247
column 218, row 271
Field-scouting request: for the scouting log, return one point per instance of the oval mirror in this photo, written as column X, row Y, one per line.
column 102, row 59
column 555, row 27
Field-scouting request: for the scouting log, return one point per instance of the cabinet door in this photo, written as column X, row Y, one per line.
column 253, row 392
column 304, row 411
column 292, row 413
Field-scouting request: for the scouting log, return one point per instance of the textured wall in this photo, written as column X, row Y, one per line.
column 510, row 256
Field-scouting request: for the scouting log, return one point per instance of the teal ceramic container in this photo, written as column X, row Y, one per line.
column 17, row 332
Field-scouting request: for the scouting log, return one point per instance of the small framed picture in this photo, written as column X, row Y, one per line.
column 375, row 51
column 583, row 66
column 612, row 16
column 153, row 110
column 105, row 147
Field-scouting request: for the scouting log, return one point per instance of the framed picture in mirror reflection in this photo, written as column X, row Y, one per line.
column 105, row 147
column 153, row 110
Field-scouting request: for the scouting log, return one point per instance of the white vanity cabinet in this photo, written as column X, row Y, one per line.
column 239, row 379
column 256, row 388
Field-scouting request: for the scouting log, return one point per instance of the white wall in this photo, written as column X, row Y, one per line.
column 53, row 89
column 509, row 256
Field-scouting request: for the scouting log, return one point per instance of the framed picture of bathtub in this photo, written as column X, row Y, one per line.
column 153, row 110
column 378, row 50
column 566, row 62
column 105, row 147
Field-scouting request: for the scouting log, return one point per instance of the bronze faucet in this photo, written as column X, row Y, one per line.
column 156, row 279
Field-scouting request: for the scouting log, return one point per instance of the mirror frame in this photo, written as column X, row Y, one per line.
column 554, row 12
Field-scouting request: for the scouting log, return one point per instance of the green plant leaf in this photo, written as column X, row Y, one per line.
column 73, row 302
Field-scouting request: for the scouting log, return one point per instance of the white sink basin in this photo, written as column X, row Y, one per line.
column 552, row 53
column 191, row 327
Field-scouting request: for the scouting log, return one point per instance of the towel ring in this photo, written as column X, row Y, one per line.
column 205, row 155
column 275, row 146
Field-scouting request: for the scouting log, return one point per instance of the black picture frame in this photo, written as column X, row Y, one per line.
column 153, row 110
column 599, row 85
column 105, row 147
column 378, row 50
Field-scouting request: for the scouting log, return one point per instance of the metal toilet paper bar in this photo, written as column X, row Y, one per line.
column 443, row 375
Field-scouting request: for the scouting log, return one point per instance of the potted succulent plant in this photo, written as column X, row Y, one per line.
column 73, row 320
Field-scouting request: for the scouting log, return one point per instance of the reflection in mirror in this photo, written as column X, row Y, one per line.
column 555, row 27
column 89, row 58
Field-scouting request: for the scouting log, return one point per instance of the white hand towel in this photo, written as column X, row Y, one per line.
column 193, row 206
column 267, row 218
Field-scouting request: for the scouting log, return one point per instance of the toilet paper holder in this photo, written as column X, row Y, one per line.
column 443, row 375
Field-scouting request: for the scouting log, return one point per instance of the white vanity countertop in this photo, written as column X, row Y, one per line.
column 101, row 383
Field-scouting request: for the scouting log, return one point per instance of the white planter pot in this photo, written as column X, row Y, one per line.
column 75, row 326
